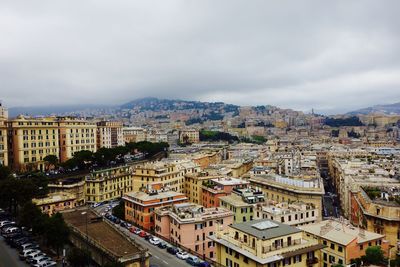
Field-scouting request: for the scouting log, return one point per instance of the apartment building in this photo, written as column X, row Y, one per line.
column 3, row 136
column 31, row 140
column 55, row 202
column 193, row 185
column 190, row 225
column 215, row 188
column 189, row 136
column 108, row 184
column 262, row 243
column 242, row 202
column 109, row 134
column 133, row 134
column 285, row 189
column 342, row 242
column 293, row 213
column 76, row 135
column 170, row 174
column 73, row 186
column 377, row 209
column 140, row 206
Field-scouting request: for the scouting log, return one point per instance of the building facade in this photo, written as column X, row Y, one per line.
column 3, row 136
column 190, row 225
column 109, row 134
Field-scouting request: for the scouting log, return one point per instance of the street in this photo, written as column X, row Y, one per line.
column 330, row 200
column 9, row 257
column 159, row 257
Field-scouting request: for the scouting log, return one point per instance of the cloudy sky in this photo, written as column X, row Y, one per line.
column 333, row 56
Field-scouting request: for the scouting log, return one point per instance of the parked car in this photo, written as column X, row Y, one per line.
column 137, row 231
column 193, row 260
column 148, row 237
column 204, row 264
column 154, row 240
column 34, row 255
column 182, row 255
column 172, row 250
column 40, row 259
column 142, row 234
column 46, row 264
column 28, row 246
column 25, row 253
column 162, row 245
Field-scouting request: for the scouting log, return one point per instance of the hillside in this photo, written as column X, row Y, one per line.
column 386, row 109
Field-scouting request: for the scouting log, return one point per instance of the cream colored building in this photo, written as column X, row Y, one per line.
column 3, row 136
column 76, row 135
column 133, row 134
column 31, row 140
column 286, row 189
column 73, row 186
column 262, row 243
column 55, row 202
column 109, row 184
column 168, row 174
column 109, row 134
column 189, row 136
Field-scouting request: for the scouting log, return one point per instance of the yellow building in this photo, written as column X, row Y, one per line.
column 73, row 186
column 189, row 136
column 76, row 135
column 286, row 189
column 109, row 184
column 3, row 136
column 193, row 186
column 134, row 134
column 262, row 243
column 109, row 134
column 55, row 202
column 342, row 242
column 31, row 140
column 164, row 174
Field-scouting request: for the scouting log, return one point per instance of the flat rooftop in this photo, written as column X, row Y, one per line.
column 143, row 196
column 265, row 229
column 101, row 233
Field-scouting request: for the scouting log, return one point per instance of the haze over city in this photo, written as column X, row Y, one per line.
column 331, row 56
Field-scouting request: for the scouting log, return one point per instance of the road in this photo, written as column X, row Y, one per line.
column 330, row 200
column 9, row 257
column 160, row 257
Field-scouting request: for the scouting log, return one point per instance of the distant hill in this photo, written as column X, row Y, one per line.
column 386, row 109
column 155, row 104
column 52, row 110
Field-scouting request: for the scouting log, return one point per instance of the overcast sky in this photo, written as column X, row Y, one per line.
column 332, row 56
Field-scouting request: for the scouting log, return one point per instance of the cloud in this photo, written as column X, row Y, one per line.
column 333, row 57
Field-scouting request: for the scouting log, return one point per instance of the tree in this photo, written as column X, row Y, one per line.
column 5, row 172
column 78, row 257
column 51, row 161
column 374, row 255
column 57, row 232
column 119, row 210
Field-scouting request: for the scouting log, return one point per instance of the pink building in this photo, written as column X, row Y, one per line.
column 190, row 225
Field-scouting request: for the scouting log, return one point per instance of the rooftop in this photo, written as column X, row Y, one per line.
column 53, row 198
column 340, row 232
column 265, row 229
column 142, row 196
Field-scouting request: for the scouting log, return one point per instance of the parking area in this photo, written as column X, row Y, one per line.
column 18, row 247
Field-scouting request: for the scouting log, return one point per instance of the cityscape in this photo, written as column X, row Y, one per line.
column 199, row 133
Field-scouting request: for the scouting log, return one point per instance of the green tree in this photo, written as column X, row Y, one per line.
column 57, row 232
column 374, row 255
column 5, row 172
column 78, row 257
column 51, row 161
column 119, row 210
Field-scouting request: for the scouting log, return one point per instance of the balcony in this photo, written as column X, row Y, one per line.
column 312, row 261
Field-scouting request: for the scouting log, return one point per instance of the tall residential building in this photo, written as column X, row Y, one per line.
column 31, row 140
column 377, row 209
column 242, row 202
column 342, row 242
column 109, row 184
column 193, row 186
column 215, row 188
column 3, row 136
column 265, row 243
column 133, row 134
column 109, row 134
column 189, row 136
column 76, row 135
column 190, row 225
column 140, row 206
column 286, row 189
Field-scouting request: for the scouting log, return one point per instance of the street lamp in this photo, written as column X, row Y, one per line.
column 87, row 237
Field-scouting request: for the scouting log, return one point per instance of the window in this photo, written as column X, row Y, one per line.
column 332, row 246
column 340, row 248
